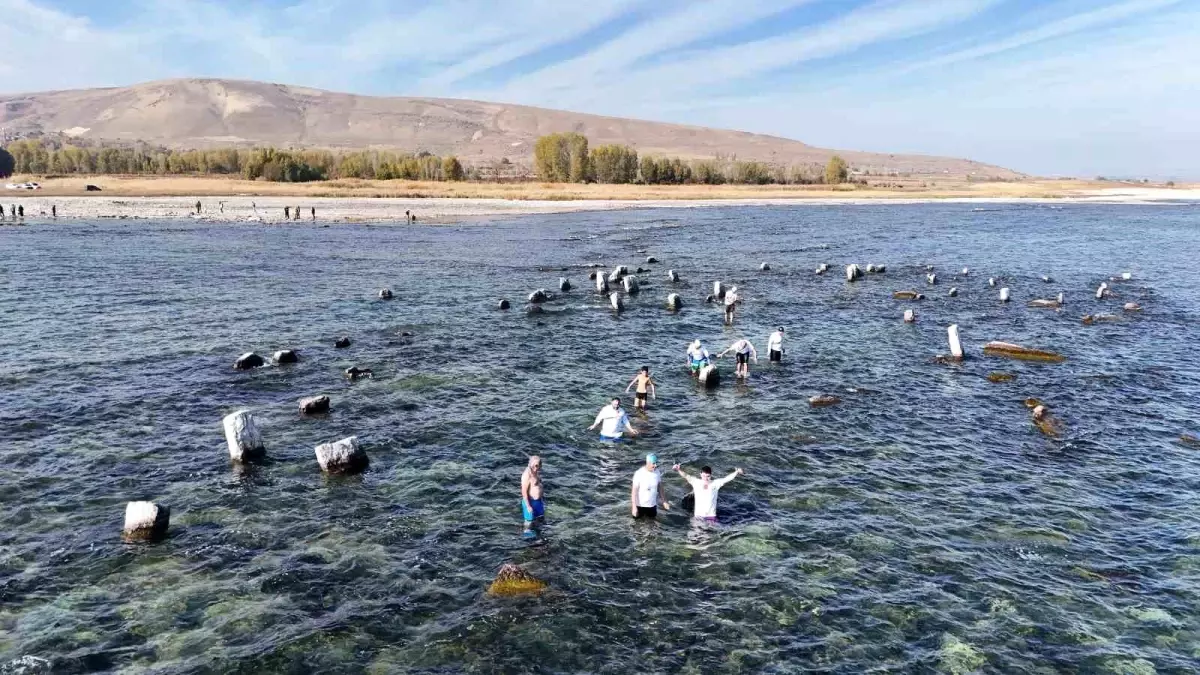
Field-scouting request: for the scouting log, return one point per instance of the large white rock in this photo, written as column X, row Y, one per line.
column 1102, row 291
column 385, row 294
column 248, row 361
column 601, row 283
column 243, row 437
column 674, row 302
column 615, row 300
column 822, row 268
column 540, row 295
column 564, row 284
column 853, row 272
column 631, row 285
column 672, row 275
column 1005, row 295
column 718, row 290
column 710, row 377
column 342, row 456
column 286, row 356
column 314, row 405
column 910, row 316
column 146, row 520
column 764, row 267
column 956, row 349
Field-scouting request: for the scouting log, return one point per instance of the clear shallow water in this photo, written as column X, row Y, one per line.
column 921, row 525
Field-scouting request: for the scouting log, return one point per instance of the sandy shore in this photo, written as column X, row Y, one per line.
column 270, row 209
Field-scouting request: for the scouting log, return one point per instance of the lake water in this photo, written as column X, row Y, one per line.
column 923, row 524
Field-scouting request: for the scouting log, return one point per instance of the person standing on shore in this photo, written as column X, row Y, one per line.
column 287, row 213
column 731, row 300
column 704, row 491
column 313, row 209
column 775, row 346
column 743, row 349
column 296, row 213
column 53, row 211
column 646, row 492
column 21, row 210
column 1, row 212
column 532, row 506
column 645, row 384
column 197, row 207
column 615, row 422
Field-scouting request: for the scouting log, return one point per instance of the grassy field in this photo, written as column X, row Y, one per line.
column 182, row 186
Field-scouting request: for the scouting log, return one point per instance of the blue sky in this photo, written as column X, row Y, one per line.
column 1053, row 87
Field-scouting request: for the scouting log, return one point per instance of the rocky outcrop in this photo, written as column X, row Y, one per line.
column 823, row 400
column 243, row 437
column 314, row 405
column 286, row 356
column 342, row 457
column 1013, row 351
column 354, row 372
column 512, row 580
column 674, row 303
column 385, row 294
column 342, row 342
column 249, row 361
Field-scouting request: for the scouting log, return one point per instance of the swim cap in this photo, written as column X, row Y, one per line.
column 652, row 458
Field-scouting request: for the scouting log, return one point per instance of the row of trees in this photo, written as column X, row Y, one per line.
column 42, row 156
column 564, row 158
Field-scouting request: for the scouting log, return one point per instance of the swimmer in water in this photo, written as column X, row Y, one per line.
column 615, row 422
column 704, row 491
column 731, row 300
column 775, row 346
column 647, row 490
column 744, row 350
column 644, row 382
column 532, row 506
column 697, row 357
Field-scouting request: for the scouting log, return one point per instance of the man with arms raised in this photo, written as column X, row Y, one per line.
column 704, row 491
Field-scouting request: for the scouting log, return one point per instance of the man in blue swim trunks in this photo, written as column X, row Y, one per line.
column 532, row 506
column 697, row 357
column 614, row 420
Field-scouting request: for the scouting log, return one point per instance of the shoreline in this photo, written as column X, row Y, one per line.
column 351, row 209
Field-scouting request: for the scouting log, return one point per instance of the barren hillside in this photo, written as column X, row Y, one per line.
column 197, row 113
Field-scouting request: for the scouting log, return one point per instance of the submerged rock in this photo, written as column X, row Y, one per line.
column 1132, row 307
column 1032, row 403
column 710, row 377
column 764, row 267
column 540, row 295
column 243, row 437
column 342, row 342
column 344, row 456
column 907, row 295
column 249, row 361
column 1001, row 377
column 1090, row 319
column 953, row 292
column 1188, row 439
column 823, row 400
column 286, row 356
column 650, row 260
column 314, row 405
column 959, row 658
column 385, row 294
column 512, row 580
column 354, row 372
column 534, row 309
column 146, row 521
column 1013, row 351
column 1045, row 423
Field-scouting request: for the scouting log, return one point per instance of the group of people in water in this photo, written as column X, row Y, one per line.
column 646, row 491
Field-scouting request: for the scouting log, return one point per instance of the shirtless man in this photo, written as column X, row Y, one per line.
column 744, row 350
column 643, row 382
column 532, row 506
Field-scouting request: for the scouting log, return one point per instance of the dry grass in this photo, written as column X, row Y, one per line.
column 176, row 186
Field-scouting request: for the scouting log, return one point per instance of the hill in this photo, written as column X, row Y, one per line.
column 203, row 113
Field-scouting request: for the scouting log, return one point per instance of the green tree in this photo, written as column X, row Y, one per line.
column 7, row 163
column 452, row 169
column 614, row 164
column 836, row 171
column 578, row 167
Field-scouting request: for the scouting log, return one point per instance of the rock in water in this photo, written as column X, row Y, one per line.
column 992, row 282
column 540, row 295
column 1005, row 295
column 564, row 284
column 822, row 268
column 672, row 276
column 354, row 372
column 1046, row 278
column 631, row 285
column 618, row 272
column 601, row 284
column 674, row 302
column 512, row 580
column 853, row 272
column 503, row 304
column 876, row 269
column 615, row 300
column 710, row 377
column 146, row 521
column 286, row 356
column 718, row 290
column 314, row 405
column 956, row 350
column 342, row 456
column 1132, row 307
column 910, row 316
column 1102, row 292
column 385, row 294
column 1023, row 353
column 953, row 293
column 764, row 267
column 248, row 361
column 907, row 295
column 931, row 278
column 823, row 400
column 242, row 436
column 998, row 378
column 534, row 309
column 650, row 260
column 342, row 342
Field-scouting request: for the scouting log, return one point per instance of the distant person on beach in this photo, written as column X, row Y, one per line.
column 647, row 492
column 614, row 420
column 532, row 506
column 21, row 210
column 296, row 213
column 197, row 207
column 221, row 205
column 645, row 384
column 287, row 212
column 53, row 211
column 744, row 351
column 704, row 491
column 731, row 300
column 313, row 209
column 698, row 357
column 775, row 346
column 1, row 212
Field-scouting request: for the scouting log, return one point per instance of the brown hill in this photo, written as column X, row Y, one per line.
column 197, row 113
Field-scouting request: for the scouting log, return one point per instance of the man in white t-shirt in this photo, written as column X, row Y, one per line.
column 697, row 357
column 613, row 422
column 704, row 491
column 731, row 300
column 775, row 346
column 647, row 490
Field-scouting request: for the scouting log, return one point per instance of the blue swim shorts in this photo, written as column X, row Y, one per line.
column 539, row 509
